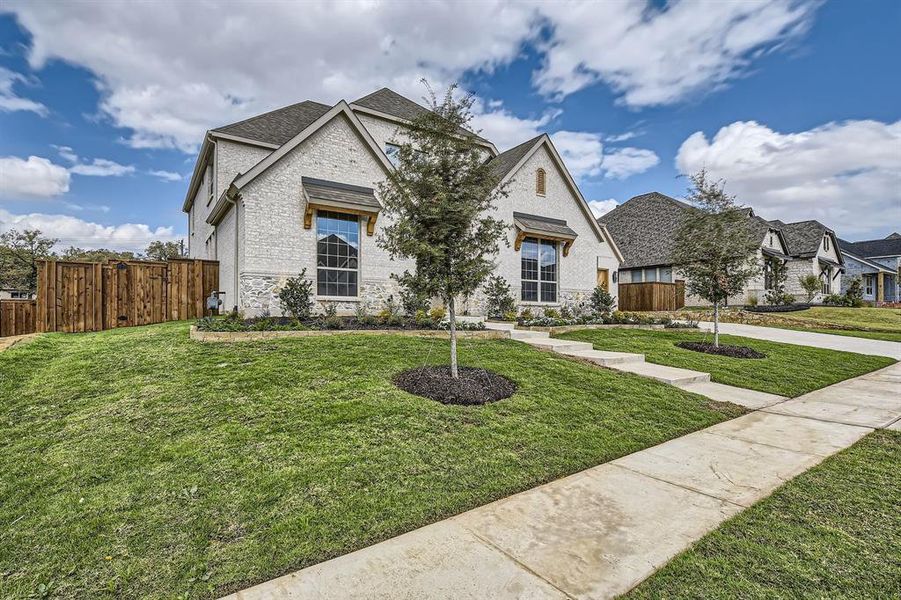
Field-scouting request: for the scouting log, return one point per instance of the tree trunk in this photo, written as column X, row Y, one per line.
column 716, row 324
column 452, row 319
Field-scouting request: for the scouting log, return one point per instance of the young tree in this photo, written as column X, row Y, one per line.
column 95, row 255
column 715, row 249
column 777, row 276
column 20, row 252
column 811, row 285
column 438, row 202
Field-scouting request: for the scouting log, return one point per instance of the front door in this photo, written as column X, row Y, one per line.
column 603, row 279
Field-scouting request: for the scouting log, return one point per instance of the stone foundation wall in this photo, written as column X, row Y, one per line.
column 259, row 295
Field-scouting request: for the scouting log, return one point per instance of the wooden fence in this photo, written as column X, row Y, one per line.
column 76, row 296
column 651, row 296
column 17, row 317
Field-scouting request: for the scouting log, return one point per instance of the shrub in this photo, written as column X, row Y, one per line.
column 498, row 297
column 551, row 313
column 752, row 300
column 835, row 300
column 412, row 299
column 602, row 302
column 526, row 314
column 854, row 293
column 297, row 296
column 438, row 313
column 810, row 283
column 510, row 315
column 778, row 274
column 330, row 319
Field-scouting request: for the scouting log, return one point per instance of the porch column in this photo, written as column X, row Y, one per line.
column 880, row 287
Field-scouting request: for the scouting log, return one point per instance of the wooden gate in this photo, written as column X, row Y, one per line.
column 651, row 296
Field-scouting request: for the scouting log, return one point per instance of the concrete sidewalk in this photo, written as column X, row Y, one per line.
column 807, row 338
column 598, row 533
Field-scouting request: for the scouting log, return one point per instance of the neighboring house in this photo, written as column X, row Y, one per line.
column 878, row 264
column 296, row 188
column 645, row 229
column 15, row 294
column 814, row 249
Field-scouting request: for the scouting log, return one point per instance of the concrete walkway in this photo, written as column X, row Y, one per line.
column 598, row 533
column 807, row 338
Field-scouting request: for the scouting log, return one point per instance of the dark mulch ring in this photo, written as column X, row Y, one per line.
column 474, row 386
column 777, row 308
column 722, row 350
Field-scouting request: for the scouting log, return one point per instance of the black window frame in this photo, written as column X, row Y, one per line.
column 332, row 275
column 535, row 284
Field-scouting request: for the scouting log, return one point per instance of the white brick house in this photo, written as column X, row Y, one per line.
column 296, row 189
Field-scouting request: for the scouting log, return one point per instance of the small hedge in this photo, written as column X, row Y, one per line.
column 614, row 318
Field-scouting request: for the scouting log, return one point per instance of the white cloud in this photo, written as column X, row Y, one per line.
column 602, row 207
column 652, row 56
column 167, row 175
column 168, row 84
column 625, row 162
column 846, row 175
column 582, row 152
column 504, row 128
column 72, row 231
column 10, row 101
column 35, row 177
column 66, row 153
column 585, row 156
column 101, row 167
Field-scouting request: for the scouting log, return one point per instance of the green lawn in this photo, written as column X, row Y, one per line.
column 874, row 319
column 137, row 463
column 870, row 335
column 833, row 532
column 788, row 370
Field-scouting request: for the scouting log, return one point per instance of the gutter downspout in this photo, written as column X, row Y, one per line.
column 233, row 197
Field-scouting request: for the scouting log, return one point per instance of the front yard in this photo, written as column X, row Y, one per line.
column 137, row 463
column 788, row 370
column 834, row 532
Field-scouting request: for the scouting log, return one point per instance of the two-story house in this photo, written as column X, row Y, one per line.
column 296, row 188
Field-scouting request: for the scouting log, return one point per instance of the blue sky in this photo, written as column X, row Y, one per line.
column 796, row 104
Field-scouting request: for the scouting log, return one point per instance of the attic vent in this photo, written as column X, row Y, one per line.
column 540, row 182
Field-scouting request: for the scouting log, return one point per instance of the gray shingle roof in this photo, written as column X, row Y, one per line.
column 804, row 237
column 277, row 126
column 546, row 225
column 391, row 103
column 890, row 246
column 644, row 228
column 340, row 193
column 505, row 161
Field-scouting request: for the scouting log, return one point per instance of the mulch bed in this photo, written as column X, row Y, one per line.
column 722, row 350
column 777, row 308
column 474, row 386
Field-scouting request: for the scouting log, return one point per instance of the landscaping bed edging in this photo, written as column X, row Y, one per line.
column 255, row 336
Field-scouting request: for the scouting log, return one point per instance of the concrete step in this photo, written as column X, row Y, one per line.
column 523, row 335
column 726, row 393
column 670, row 375
column 603, row 358
column 557, row 345
column 500, row 325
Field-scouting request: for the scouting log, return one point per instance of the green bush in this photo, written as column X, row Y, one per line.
column 811, row 285
column 602, row 302
column 297, row 296
column 498, row 297
column 412, row 300
column 438, row 313
column 551, row 313
column 854, row 293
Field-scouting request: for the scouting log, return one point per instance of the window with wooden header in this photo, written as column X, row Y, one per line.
column 540, row 182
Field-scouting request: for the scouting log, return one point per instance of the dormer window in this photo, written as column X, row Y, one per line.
column 540, row 182
column 826, row 243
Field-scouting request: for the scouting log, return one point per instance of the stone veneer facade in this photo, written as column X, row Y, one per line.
column 273, row 245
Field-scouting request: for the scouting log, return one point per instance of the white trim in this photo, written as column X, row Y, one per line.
column 194, row 184
column 242, row 140
column 600, row 230
column 274, row 157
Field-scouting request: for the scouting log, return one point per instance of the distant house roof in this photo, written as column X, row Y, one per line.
column 848, row 252
column 277, row 126
column 804, row 237
column 504, row 162
column 391, row 103
column 890, row 246
column 645, row 228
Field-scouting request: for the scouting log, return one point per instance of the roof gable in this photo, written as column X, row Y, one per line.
column 544, row 141
column 805, row 237
column 890, row 246
column 339, row 109
column 387, row 102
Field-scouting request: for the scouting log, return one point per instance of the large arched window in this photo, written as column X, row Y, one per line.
column 540, row 182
